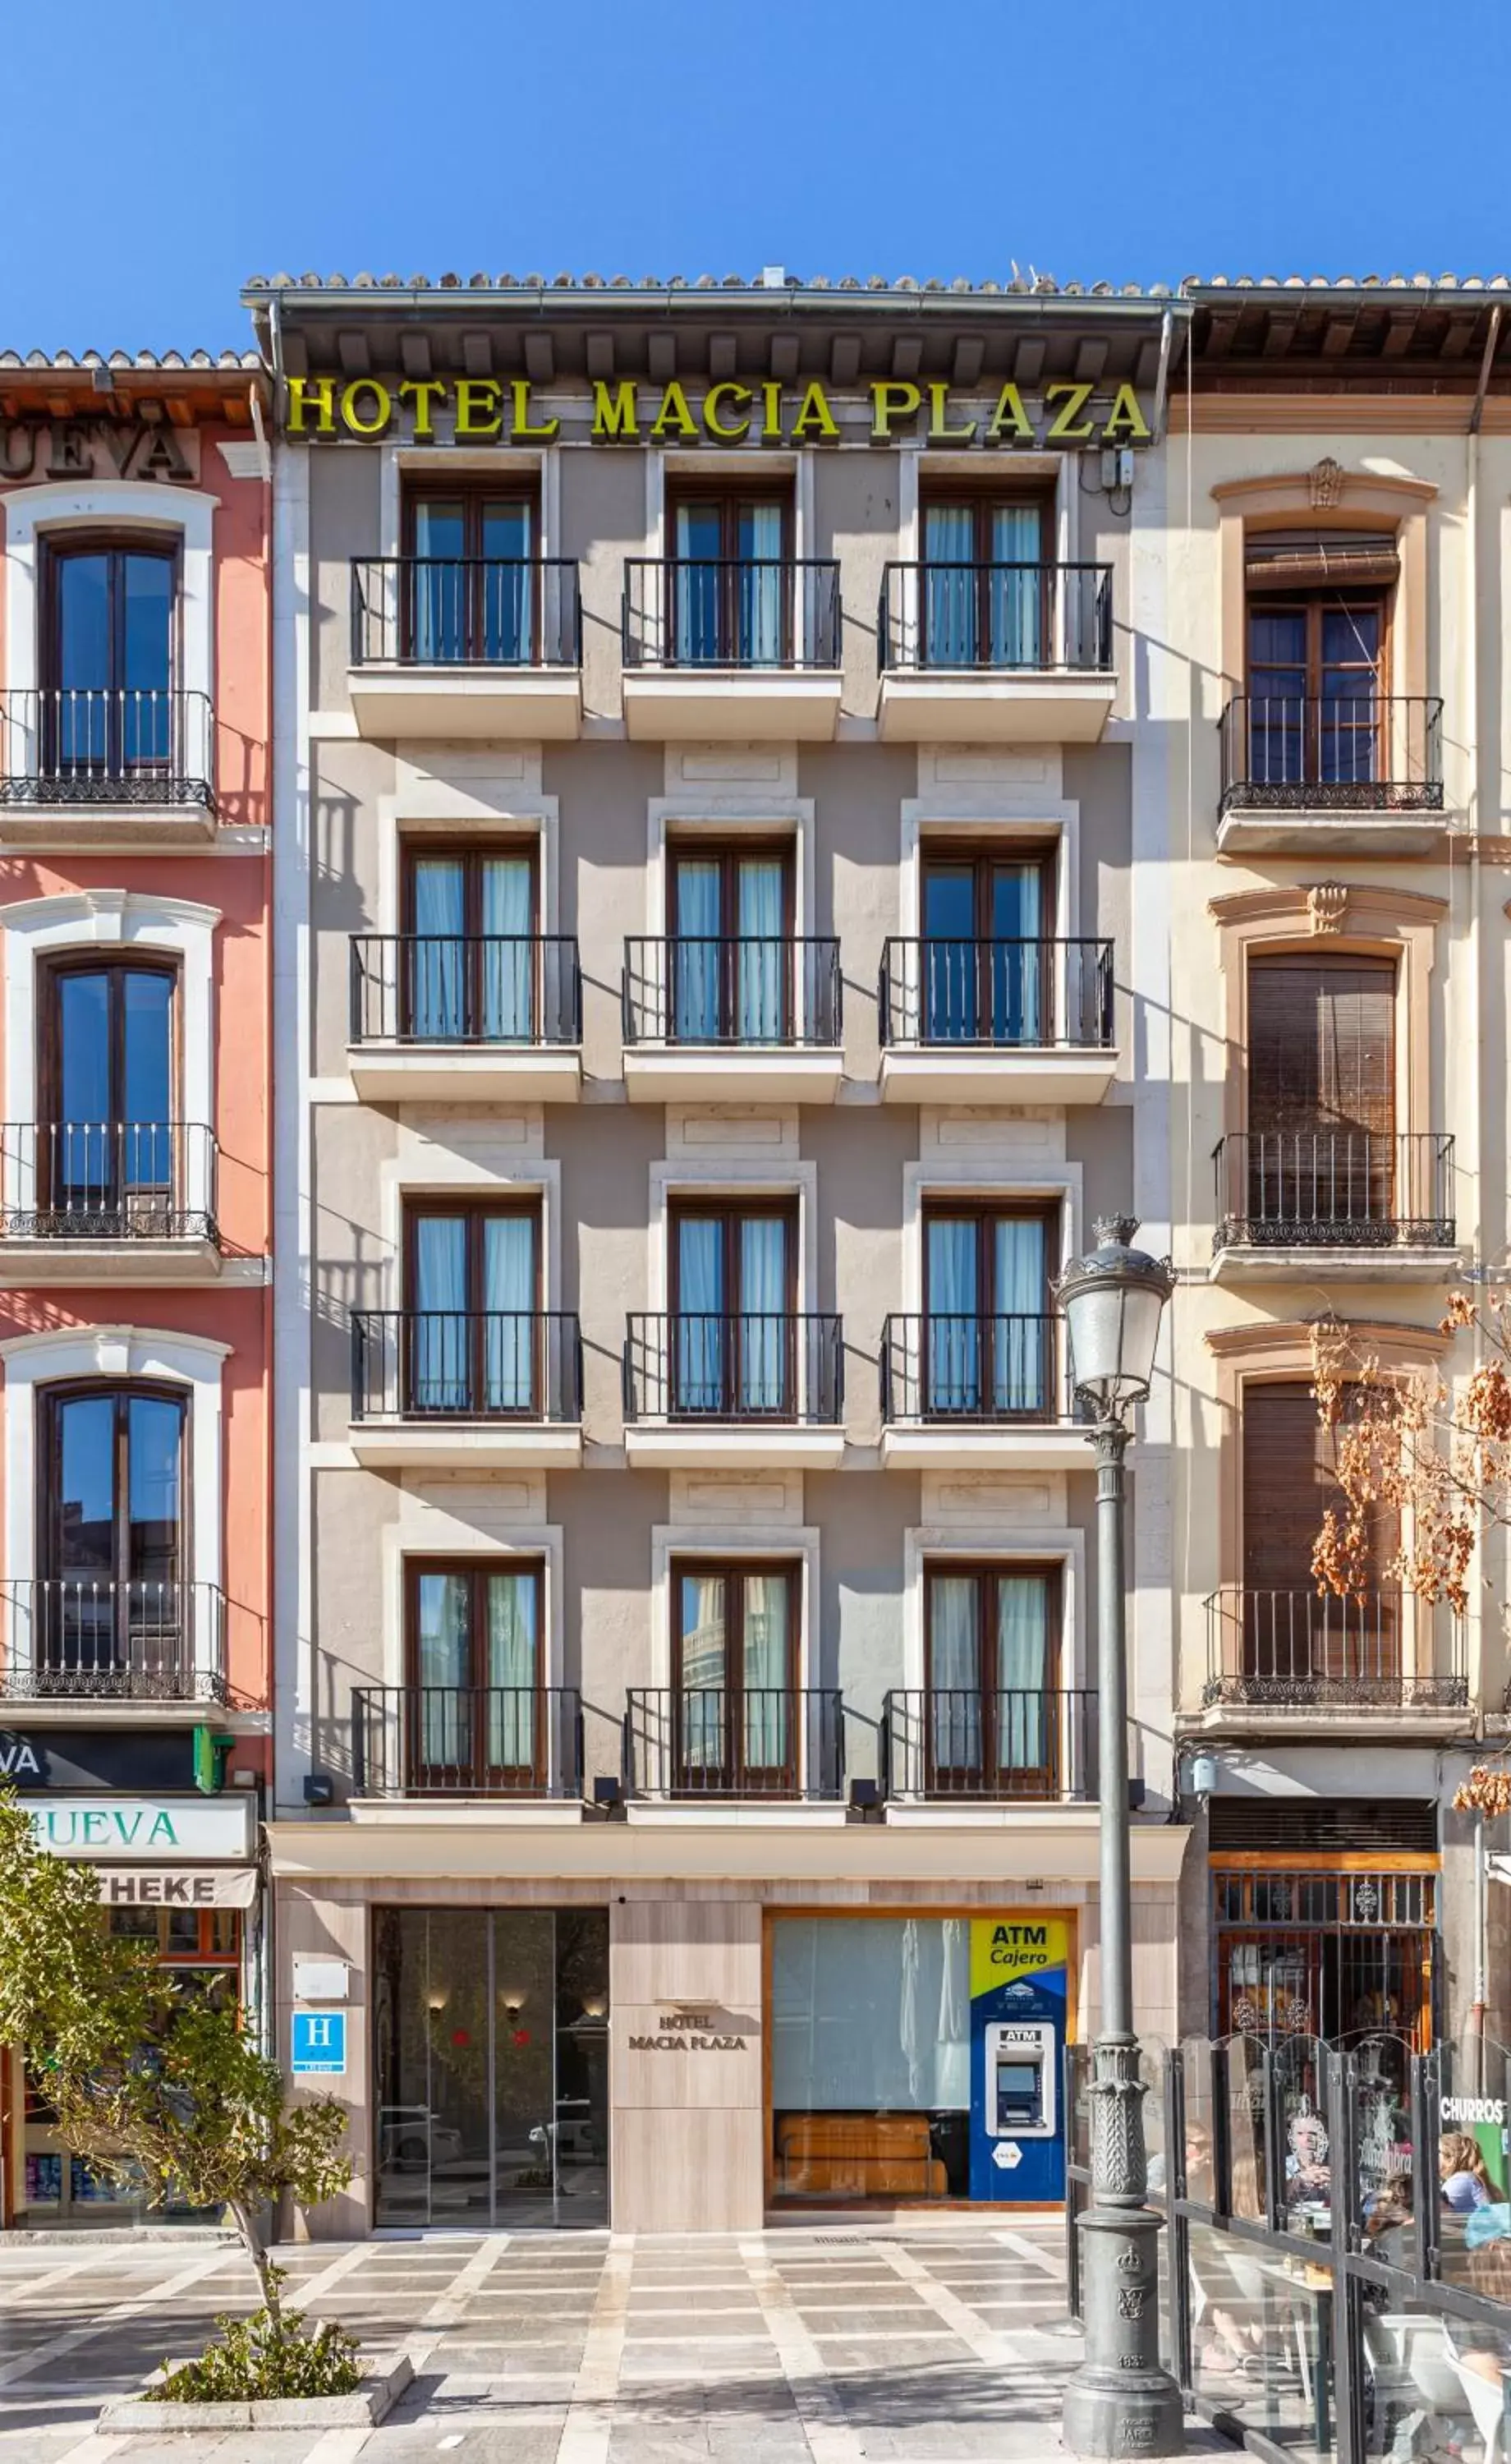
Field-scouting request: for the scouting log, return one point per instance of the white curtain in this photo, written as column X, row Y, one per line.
column 953, row 2044
column 513, row 1645
column 507, row 951
column 1018, row 1004
column 953, row 1337
column 695, row 954
column 761, row 950
column 508, row 581
column 699, row 1333
column 1022, row 1672
column 856, row 2004
column 441, row 1666
column 766, row 1672
column 697, row 586
column 759, row 642
column 441, row 1380
column 954, row 1673
column 1019, row 1345
column 439, row 614
column 438, row 954
column 763, row 1333
column 1017, row 624
column 704, row 1671
column 950, row 587
column 510, row 1329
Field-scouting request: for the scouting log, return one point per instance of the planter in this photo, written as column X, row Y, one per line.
column 366, row 2405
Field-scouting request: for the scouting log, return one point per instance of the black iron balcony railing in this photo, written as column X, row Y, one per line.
column 1008, row 1742
column 1345, row 753
column 996, row 616
column 466, row 1741
column 108, row 1180
column 467, row 1365
column 106, row 745
column 698, row 1741
column 465, row 611
column 749, row 990
column 78, row 1636
column 950, row 1366
column 466, row 988
column 1005, row 994
column 1334, row 1188
column 779, row 1365
column 731, row 612
column 1289, row 1650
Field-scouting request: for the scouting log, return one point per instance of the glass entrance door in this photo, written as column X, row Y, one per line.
column 490, row 2061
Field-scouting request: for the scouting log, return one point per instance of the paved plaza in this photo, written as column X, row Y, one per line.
column 917, row 2345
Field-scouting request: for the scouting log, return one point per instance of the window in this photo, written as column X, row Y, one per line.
column 992, row 1669
column 469, row 969
column 112, row 1609
column 474, row 1653
column 729, row 580
column 733, row 1293
column 107, row 1088
column 474, row 1322
column 985, row 585
column 109, row 614
column 988, row 1336
column 730, row 953
column 735, row 1646
column 1293, row 1636
column 1321, row 1149
column 473, row 594
column 986, row 961
column 1316, row 650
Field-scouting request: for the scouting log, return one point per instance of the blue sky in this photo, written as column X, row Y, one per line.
column 154, row 160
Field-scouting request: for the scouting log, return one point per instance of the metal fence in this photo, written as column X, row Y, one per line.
column 731, row 990
column 775, row 1741
column 470, row 611
column 948, row 1741
column 1002, row 993
column 1346, row 753
column 76, row 1637
column 948, row 1365
column 1386, row 1648
column 466, row 1741
column 995, row 615
column 483, row 988
column 106, row 745
column 467, row 1365
column 731, row 612
column 734, row 1365
column 108, row 1180
column 1334, row 1188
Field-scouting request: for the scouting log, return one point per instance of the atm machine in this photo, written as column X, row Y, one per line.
column 1020, row 1976
column 1022, row 2068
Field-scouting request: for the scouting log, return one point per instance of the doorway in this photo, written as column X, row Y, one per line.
column 491, row 2067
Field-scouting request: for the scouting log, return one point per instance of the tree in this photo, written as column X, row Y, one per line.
column 143, row 2074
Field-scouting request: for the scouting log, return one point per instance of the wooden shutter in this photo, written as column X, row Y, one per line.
column 1322, row 1044
column 1288, row 1485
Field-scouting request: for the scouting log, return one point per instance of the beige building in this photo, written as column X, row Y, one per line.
column 724, row 907
column 1332, row 690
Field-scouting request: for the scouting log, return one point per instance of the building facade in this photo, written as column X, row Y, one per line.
column 135, row 1198
column 1338, row 468
column 721, row 976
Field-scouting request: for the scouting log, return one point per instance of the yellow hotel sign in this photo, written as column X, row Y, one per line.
column 494, row 411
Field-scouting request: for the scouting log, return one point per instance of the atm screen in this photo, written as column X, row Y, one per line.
column 1018, row 2088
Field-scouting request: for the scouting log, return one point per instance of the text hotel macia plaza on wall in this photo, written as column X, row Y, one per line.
column 603, row 882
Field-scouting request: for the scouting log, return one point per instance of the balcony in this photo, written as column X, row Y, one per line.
column 72, row 1638
column 108, row 1201
column 995, row 1022
column 706, row 1391
column 466, row 1741
column 971, row 1392
column 996, row 653
column 749, row 1020
column 467, row 1389
column 1293, row 1203
column 441, row 1018
column 960, row 1745
column 465, row 649
column 117, row 767
column 694, row 1744
column 1343, row 776
column 1294, row 1659
column 731, row 649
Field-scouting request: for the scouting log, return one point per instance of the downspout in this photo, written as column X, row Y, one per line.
column 267, row 1975
column 1167, row 332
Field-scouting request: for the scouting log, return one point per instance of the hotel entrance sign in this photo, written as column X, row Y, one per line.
column 317, row 2044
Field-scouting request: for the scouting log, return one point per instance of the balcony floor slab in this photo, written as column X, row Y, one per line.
column 986, row 1074
column 465, row 1446
column 76, row 826
column 1243, row 1262
column 740, row 1449
column 1330, row 1723
column 744, row 1074
column 1040, row 706
column 910, row 1446
column 467, row 705
column 732, row 705
column 407, row 1073
column 1243, row 833
column 84, row 1263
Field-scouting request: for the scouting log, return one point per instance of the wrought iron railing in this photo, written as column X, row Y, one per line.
column 953, row 1366
column 467, row 1365
column 736, row 991
column 108, row 1180
column 1334, row 1188
column 465, row 611
column 466, row 1741
column 75, row 1637
column 779, row 1365
column 1298, row 1648
column 1007, row 993
column 998, row 616
column 1366, row 753
column 106, row 745
column 941, row 1741
column 697, row 1741
column 466, row 988
column 731, row 612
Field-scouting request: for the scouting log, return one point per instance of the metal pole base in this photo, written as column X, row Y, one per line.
column 1120, row 2402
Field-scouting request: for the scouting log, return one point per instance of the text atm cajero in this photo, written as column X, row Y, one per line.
column 1021, row 2075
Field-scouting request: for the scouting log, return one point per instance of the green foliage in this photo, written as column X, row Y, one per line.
column 71, row 1994
column 260, row 2359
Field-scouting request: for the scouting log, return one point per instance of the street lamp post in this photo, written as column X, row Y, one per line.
column 1120, row 2402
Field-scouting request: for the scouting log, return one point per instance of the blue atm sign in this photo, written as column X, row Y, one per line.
column 319, row 2046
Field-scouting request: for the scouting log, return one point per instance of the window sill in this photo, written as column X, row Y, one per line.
column 766, row 1073
column 732, row 705
column 733, row 1446
column 466, row 1446
column 997, row 1074
column 467, row 705
column 451, row 1073
column 989, row 706
column 983, row 1445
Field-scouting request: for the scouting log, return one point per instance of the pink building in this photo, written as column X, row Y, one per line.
column 135, row 1193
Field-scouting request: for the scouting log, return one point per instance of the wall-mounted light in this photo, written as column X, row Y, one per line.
column 514, row 2004
column 595, row 2006
column 435, row 2001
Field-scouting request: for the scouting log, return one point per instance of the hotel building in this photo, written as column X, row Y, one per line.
column 135, row 1298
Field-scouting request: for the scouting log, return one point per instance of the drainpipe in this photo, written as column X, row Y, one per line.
column 1167, row 330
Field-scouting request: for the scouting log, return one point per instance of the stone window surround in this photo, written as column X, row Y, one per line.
column 81, row 919
column 760, row 1543
column 1366, row 499
column 32, row 515
column 539, row 1542
column 927, row 1545
column 506, row 464
column 928, row 823
column 734, row 1177
column 1321, row 919
column 423, row 1169
column 976, row 1175
column 685, row 818
column 536, row 816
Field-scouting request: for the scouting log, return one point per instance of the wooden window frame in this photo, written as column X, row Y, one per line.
column 477, row 1208
column 988, row 1574
column 938, row 1207
column 730, row 497
column 732, row 1773
column 122, row 1393
column 471, row 854
column 101, row 960
column 473, row 491
column 477, row 1774
column 936, row 854
column 59, row 548
column 731, row 1211
column 728, row 854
